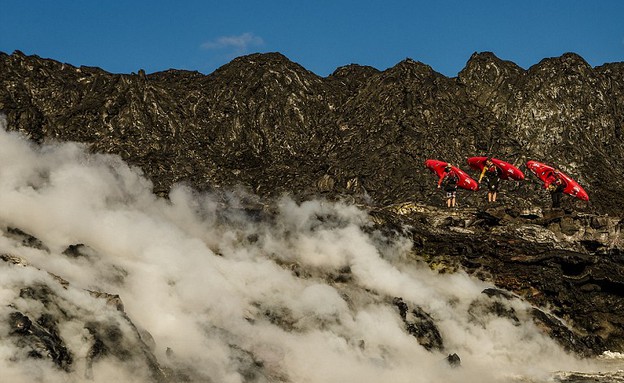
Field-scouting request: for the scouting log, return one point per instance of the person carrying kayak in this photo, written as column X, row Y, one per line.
column 449, row 180
column 555, row 185
column 492, row 174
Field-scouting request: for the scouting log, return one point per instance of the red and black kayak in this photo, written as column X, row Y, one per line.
column 508, row 171
column 465, row 182
column 543, row 171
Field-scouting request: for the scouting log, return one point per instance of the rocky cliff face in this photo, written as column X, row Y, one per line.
column 267, row 123
column 270, row 125
column 571, row 262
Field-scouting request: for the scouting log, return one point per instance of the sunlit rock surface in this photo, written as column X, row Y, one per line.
column 267, row 125
column 571, row 262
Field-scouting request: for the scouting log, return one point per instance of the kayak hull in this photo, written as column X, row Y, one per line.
column 508, row 171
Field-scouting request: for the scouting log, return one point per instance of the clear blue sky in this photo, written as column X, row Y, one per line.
column 125, row 36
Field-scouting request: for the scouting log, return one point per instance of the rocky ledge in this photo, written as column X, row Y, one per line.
column 571, row 262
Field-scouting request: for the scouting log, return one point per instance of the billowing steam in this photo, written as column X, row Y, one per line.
column 228, row 294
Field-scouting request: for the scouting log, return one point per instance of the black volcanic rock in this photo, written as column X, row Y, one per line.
column 268, row 124
column 561, row 111
column 353, row 77
column 420, row 325
column 36, row 334
column 570, row 262
column 403, row 116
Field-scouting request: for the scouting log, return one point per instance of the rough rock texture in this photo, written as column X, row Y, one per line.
column 571, row 262
column 42, row 307
column 267, row 123
column 272, row 126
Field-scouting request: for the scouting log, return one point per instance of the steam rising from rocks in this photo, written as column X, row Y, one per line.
column 288, row 292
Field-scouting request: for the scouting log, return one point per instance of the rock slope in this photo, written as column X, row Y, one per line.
column 267, row 123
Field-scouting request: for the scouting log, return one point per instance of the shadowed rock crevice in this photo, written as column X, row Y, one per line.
column 420, row 325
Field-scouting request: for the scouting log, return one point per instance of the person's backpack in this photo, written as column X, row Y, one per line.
column 494, row 173
column 451, row 180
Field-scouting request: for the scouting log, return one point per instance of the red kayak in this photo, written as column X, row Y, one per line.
column 543, row 171
column 508, row 171
column 465, row 182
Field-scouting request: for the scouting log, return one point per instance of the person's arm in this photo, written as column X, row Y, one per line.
column 442, row 179
column 482, row 173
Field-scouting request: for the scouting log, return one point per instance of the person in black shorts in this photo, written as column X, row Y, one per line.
column 449, row 180
column 492, row 175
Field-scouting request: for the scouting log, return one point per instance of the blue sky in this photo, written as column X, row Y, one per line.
column 125, row 36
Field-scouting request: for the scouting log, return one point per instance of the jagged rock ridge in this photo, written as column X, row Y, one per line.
column 267, row 123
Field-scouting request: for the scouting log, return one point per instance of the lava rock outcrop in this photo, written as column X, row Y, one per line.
column 269, row 124
column 266, row 123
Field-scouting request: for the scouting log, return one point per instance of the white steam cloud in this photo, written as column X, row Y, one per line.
column 239, row 44
column 213, row 284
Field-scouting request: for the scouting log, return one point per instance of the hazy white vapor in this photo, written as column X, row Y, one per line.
column 229, row 293
column 240, row 43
